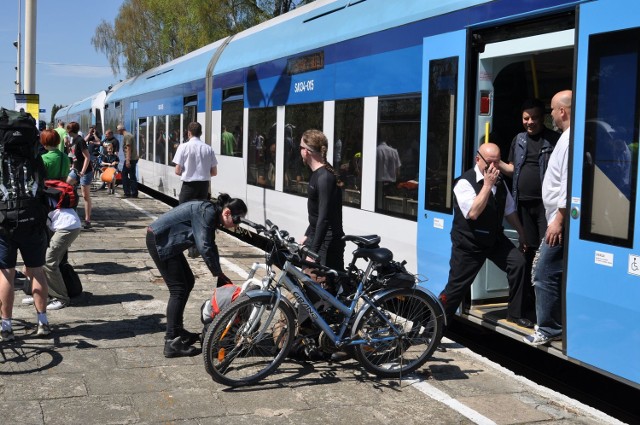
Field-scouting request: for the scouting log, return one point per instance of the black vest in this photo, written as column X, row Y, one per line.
column 484, row 230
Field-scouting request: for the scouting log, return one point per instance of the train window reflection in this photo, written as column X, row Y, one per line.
column 160, row 140
column 232, row 114
column 347, row 148
column 174, row 136
column 443, row 77
column 611, row 138
column 142, row 138
column 397, row 156
column 262, row 147
column 189, row 114
column 298, row 119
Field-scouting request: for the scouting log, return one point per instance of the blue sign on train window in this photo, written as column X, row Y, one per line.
column 611, row 138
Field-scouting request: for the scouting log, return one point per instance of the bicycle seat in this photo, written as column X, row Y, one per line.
column 369, row 241
column 377, row 255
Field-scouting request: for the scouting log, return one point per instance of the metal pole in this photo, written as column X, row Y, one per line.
column 18, row 45
column 30, row 13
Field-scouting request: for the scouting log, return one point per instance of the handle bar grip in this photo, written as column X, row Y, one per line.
column 258, row 227
column 306, row 252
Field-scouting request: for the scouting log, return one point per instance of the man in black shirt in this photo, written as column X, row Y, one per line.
column 528, row 158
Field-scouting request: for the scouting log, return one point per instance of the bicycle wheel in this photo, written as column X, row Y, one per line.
column 246, row 342
column 419, row 323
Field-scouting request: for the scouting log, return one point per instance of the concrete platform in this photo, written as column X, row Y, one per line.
column 104, row 365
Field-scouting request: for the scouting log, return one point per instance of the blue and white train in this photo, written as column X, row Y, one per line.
column 428, row 81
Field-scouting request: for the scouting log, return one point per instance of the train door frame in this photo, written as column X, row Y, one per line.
column 468, row 46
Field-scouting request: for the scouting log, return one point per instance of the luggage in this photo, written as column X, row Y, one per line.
column 71, row 281
column 21, row 173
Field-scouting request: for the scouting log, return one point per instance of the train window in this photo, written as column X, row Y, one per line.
column 142, row 138
column 397, row 156
column 262, row 147
column 611, row 138
column 347, row 148
column 443, row 75
column 298, row 119
column 189, row 114
column 160, row 140
column 174, row 136
column 232, row 113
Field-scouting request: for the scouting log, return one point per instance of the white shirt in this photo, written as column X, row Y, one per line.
column 387, row 163
column 466, row 194
column 196, row 159
column 554, row 185
column 64, row 219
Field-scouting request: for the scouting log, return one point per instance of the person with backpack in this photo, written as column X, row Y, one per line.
column 190, row 224
column 22, row 217
column 64, row 224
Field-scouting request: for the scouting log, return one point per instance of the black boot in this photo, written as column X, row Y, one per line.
column 177, row 348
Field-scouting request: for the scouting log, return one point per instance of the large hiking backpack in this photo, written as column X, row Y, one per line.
column 21, row 172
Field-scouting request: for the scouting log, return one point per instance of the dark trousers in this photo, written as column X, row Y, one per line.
column 191, row 191
column 179, row 279
column 532, row 216
column 129, row 178
column 467, row 260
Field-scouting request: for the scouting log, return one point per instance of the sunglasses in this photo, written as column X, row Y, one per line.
column 237, row 219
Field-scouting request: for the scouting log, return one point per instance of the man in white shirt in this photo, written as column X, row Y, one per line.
column 547, row 274
column 195, row 163
column 481, row 201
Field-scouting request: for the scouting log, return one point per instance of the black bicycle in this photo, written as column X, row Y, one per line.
column 389, row 323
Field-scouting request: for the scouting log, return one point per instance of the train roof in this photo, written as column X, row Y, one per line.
column 317, row 24
column 96, row 99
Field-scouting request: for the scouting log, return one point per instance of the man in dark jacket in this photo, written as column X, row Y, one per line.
column 481, row 201
column 528, row 159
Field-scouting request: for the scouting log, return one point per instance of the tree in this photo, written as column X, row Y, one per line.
column 54, row 110
column 148, row 33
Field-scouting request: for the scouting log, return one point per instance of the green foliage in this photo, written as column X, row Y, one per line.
column 148, row 33
column 54, row 110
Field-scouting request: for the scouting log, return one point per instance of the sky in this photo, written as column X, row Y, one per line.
column 68, row 68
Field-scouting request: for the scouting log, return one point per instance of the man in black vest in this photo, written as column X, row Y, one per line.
column 481, row 202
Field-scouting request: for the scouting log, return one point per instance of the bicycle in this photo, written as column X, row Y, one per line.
column 388, row 323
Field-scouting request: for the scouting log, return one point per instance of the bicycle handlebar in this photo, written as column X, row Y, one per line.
column 280, row 237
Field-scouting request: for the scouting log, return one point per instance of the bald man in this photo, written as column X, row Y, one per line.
column 481, row 200
column 547, row 273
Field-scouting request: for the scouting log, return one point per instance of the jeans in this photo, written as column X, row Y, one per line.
column 547, row 282
column 129, row 179
column 60, row 242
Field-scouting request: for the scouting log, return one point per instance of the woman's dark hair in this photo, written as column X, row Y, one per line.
column 237, row 206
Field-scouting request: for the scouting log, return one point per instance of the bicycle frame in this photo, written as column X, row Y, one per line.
column 348, row 311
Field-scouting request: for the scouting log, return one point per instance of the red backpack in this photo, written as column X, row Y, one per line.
column 61, row 193
column 221, row 298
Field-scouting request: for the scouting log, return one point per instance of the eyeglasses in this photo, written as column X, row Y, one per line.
column 306, row 149
column 487, row 163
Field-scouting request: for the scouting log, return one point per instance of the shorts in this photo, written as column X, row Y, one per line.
column 31, row 243
column 84, row 180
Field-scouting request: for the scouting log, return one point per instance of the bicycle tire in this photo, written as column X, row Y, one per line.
column 420, row 322
column 232, row 357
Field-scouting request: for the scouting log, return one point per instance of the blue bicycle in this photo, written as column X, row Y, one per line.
column 386, row 321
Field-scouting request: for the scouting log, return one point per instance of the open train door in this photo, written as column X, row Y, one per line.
column 443, row 94
column 602, row 281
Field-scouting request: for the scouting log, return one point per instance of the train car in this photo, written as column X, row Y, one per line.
column 87, row 112
column 429, row 81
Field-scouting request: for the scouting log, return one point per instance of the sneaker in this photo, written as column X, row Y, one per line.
column 190, row 338
column 43, row 329
column 87, row 225
column 6, row 336
column 27, row 301
column 539, row 338
column 177, row 348
column 55, row 304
